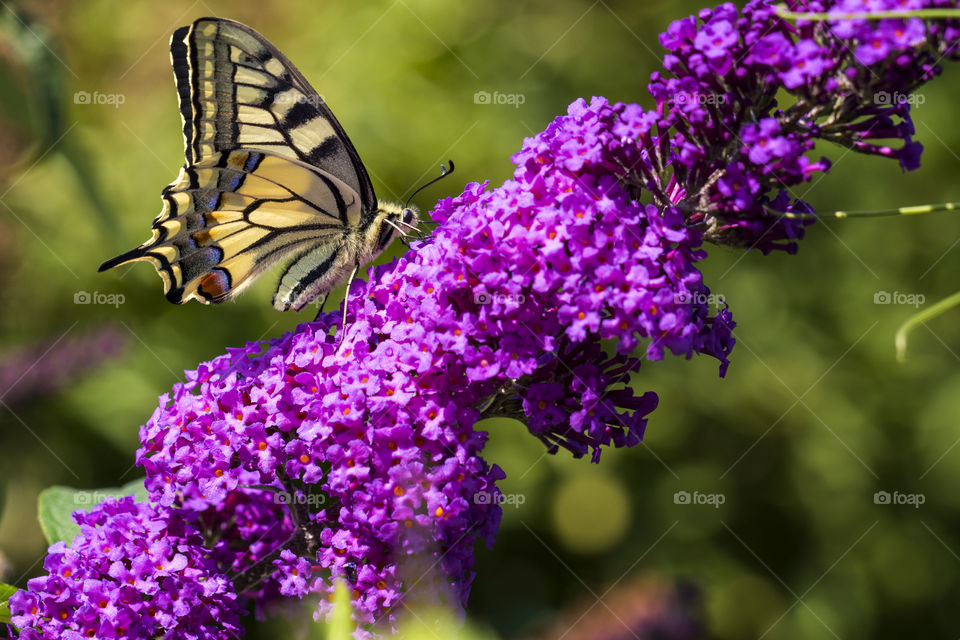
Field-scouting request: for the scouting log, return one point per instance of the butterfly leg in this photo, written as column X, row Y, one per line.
column 323, row 303
column 346, row 300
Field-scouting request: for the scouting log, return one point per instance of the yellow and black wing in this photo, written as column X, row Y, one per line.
column 270, row 175
column 238, row 91
column 237, row 213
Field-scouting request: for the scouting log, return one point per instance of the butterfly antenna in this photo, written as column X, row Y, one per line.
column 444, row 172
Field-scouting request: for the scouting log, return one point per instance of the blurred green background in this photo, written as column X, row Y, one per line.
column 813, row 418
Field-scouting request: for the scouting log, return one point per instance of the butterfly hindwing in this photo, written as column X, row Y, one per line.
column 237, row 91
column 237, row 213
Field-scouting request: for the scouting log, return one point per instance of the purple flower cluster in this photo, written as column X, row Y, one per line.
column 133, row 572
column 362, row 469
column 726, row 138
column 501, row 312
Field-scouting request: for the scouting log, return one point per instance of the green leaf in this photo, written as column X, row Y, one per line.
column 56, row 505
column 6, row 591
column 340, row 626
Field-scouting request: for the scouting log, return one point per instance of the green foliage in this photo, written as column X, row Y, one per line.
column 56, row 505
column 6, row 591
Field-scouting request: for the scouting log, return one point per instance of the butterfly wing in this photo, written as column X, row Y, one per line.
column 269, row 174
column 237, row 91
column 237, row 213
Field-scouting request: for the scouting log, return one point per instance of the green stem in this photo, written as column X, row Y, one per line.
column 902, row 211
column 784, row 12
column 920, row 318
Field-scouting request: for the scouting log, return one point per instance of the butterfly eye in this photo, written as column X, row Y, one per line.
column 408, row 216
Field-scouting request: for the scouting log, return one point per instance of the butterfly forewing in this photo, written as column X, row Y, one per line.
column 238, row 91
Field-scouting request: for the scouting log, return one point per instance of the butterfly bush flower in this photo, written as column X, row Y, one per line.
column 134, row 572
column 500, row 312
column 323, row 456
column 751, row 93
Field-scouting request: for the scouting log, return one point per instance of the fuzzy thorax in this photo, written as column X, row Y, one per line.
column 390, row 221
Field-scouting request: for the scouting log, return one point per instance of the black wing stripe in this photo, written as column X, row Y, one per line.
column 181, row 72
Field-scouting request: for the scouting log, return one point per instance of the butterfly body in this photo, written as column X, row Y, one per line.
column 325, row 269
column 270, row 176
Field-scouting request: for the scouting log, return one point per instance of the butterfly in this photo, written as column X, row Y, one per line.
column 270, row 175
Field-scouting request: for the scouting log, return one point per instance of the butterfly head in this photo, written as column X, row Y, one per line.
column 392, row 220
